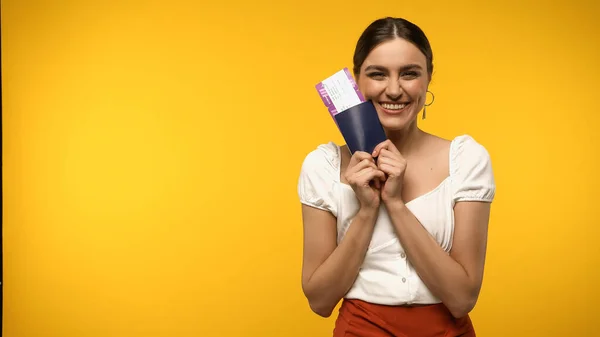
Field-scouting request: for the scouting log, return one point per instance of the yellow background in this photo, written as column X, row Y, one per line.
column 151, row 152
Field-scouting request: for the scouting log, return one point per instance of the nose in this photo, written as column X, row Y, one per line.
column 393, row 90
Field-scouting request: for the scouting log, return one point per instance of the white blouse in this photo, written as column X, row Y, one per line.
column 386, row 276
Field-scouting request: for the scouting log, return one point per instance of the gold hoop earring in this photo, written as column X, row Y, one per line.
column 426, row 105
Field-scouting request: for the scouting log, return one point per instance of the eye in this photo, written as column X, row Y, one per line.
column 376, row 75
column 410, row 74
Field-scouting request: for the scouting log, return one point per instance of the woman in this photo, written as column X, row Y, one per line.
column 401, row 239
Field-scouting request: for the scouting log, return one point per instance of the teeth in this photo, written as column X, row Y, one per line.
column 393, row 106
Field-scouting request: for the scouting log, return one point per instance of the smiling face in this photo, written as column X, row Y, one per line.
column 394, row 76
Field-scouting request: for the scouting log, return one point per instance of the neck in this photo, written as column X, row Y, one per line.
column 407, row 140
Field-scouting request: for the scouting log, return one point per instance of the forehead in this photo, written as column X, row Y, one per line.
column 394, row 54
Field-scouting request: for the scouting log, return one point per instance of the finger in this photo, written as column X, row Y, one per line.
column 359, row 156
column 387, row 144
column 379, row 177
column 392, row 159
column 353, row 174
column 361, row 165
column 368, row 174
column 385, row 153
column 391, row 170
column 378, row 148
column 387, row 160
column 358, row 178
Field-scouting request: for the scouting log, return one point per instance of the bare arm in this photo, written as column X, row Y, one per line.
column 455, row 278
column 328, row 269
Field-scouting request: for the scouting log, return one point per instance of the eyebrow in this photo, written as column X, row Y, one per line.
column 403, row 68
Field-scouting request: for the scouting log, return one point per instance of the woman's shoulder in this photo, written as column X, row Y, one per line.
column 471, row 169
column 465, row 148
column 318, row 176
column 324, row 156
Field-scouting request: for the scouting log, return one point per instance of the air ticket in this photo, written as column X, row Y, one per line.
column 339, row 92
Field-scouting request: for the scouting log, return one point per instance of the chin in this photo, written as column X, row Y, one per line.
column 397, row 126
column 393, row 122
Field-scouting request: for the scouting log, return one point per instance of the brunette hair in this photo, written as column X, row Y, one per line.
column 389, row 28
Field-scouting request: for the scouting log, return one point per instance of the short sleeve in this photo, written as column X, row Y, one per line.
column 471, row 171
column 317, row 181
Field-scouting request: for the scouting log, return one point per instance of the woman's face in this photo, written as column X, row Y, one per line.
column 394, row 76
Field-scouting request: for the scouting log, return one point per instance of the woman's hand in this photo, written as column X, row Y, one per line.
column 393, row 164
column 365, row 179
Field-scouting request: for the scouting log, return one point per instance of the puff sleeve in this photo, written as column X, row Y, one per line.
column 317, row 183
column 471, row 169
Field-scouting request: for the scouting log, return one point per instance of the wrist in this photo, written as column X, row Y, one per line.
column 368, row 212
column 394, row 203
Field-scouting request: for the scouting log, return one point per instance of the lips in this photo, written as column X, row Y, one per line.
column 394, row 108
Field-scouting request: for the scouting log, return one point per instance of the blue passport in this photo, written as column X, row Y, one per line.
column 354, row 115
column 360, row 126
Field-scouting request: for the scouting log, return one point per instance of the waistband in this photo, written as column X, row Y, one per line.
column 360, row 318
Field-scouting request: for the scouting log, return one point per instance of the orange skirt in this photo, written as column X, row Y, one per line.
column 361, row 319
